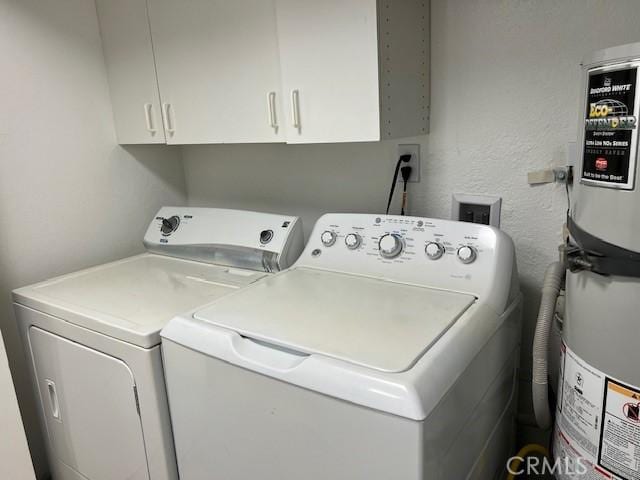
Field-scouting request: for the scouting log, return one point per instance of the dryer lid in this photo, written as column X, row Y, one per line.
column 374, row 323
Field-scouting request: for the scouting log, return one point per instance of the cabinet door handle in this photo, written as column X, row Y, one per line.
column 167, row 119
column 53, row 399
column 271, row 101
column 295, row 108
column 149, row 118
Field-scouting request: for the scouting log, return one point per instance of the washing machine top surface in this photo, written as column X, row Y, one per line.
column 369, row 322
column 133, row 298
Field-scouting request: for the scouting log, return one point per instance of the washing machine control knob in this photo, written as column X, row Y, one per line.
column 434, row 250
column 169, row 225
column 390, row 245
column 328, row 238
column 467, row 254
column 353, row 241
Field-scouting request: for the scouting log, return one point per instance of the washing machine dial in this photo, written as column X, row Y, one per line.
column 328, row 238
column 353, row 241
column 390, row 245
column 434, row 250
column 467, row 254
column 169, row 225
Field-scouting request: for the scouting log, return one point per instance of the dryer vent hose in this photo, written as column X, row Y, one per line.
column 540, row 384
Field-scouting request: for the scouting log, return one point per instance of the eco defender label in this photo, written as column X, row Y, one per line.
column 597, row 423
column 610, row 136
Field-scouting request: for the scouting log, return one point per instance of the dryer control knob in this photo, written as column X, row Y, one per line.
column 328, row 238
column 169, row 225
column 390, row 245
column 434, row 250
column 353, row 241
column 266, row 236
column 467, row 254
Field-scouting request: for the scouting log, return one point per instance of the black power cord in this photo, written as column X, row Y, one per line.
column 403, row 159
column 406, row 173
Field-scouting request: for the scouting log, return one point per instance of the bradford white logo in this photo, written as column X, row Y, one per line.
column 527, row 465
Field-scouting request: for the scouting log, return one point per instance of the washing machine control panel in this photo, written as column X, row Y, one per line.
column 437, row 253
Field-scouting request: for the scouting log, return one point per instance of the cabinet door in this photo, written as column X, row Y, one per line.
column 329, row 63
column 126, row 41
column 218, row 70
column 89, row 405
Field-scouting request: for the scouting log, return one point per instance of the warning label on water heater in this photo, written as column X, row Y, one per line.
column 620, row 434
column 598, row 421
column 610, row 135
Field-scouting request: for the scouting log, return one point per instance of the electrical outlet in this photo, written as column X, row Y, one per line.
column 414, row 163
column 476, row 209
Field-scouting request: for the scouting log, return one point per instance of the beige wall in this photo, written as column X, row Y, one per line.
column 69, row 196
column 505, row 81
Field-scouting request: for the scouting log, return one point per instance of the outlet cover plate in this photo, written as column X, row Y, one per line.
column 413, row 150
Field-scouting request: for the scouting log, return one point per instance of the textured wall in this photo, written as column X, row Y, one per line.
column 505, row 81
column 69, row 196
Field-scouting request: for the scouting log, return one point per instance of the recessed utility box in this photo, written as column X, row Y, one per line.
column 484, row 209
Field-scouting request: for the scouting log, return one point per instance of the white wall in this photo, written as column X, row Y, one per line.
column 69, row 196
column 505, row 81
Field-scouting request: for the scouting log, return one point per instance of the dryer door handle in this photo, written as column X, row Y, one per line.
column 267, row 355
column 53, row 399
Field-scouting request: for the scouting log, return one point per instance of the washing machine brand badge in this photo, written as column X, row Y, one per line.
column 610, row 139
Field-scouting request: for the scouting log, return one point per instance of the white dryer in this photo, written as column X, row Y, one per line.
column 388, row 351
column 92, row 337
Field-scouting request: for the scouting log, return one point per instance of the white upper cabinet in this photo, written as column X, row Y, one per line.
column 329, row 60
column 258, row 71
column 126, row 41
column 354, row 71
column 218, row 70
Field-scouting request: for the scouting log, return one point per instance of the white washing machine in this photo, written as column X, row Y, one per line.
column 388, row 351
column 94, row 344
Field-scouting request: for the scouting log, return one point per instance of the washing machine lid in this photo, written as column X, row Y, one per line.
column 373, row 323
column 132, row 299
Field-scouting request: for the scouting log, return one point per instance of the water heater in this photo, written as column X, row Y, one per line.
column 597, row 424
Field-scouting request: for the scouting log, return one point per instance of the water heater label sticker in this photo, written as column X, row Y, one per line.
column 610, row 135
column 598, row 421
column 581, row 403
column 620, row 436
